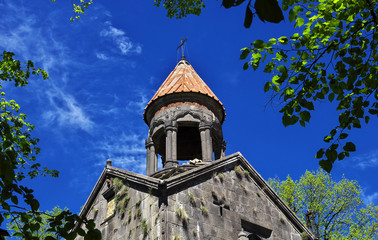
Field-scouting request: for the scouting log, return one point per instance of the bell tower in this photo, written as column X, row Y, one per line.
column 185, row 121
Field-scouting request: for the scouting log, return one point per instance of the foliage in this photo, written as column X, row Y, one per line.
column 191, row 199
column 204, row 211
column 238, row 171
column 79, row 9
column 176, row 236
column 180, row 8
column 220, row 176
column 18, row 162
column 182, row 215
column 333, row 58
column 338, row 210
column 144, row 227
column 266, row 10
column 17, row 224
column 121, row 197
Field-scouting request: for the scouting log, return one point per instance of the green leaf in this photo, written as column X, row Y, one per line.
column 341, row 155
column 343, row 135
column 289, row 120
column 14, row 199
column 269, row 67
column 34, row 204
column 333, row 132
column 269, row 10
column 326, row 165
column 367, row 118
column 93, row 234
column 245, row 65
column 306, row 104
column 4, row 233
column 299, row 22
column 289, row 91
column 331, row 155
column 349, row 147
column 292, row 15
column 331, row 96
column 244, row 54
column 231, row 3
column 320, row 153
column 248, row 16
column 81, row 232
column 282, row 69
column 273, row 41
column 283, row 40
column 327, row 138
column 267, row 86
column 90, row 225
column 258, row 43
column 305, row 116
column 295, row 36
column 276, row 88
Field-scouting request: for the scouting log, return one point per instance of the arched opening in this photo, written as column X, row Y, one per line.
column 188, row 142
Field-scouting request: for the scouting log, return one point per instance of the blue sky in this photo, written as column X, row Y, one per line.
column 105, row 67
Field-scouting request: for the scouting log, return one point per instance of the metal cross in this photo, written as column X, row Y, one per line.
column 182, row 46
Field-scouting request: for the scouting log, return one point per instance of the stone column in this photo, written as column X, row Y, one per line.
column 151, row 164
column 206, row 142
column 171, row 145
column 155, row 158
column 209, row 143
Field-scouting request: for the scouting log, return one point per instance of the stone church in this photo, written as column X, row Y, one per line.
column 200, row 193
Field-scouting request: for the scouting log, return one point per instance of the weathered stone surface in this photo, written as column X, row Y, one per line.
column 211, row 208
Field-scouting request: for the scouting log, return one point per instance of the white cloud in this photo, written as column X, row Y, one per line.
column 21, row 33
column 152, row 79
column 126, row 151
column 371, row 198
column 39, row 39
column 367, row 160
column 139, row 104
column 65, row 111
column 112, row 111
column 118, row 36
column 111, row 31
column 102, row 56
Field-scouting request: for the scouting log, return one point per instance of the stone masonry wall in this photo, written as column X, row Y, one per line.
column 240, row 198
column 217, row 205
column 140, row 220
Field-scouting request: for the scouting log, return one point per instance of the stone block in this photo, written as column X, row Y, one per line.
column 215, row 220
column 228, row 225
column 212, row 208
column 183, row 198
column 197, row 192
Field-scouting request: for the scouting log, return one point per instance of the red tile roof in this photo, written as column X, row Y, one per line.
column 183, row 79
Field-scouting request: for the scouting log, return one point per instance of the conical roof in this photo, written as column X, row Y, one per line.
column 183, row 79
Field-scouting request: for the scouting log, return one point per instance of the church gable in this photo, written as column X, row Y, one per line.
column 199, row 193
